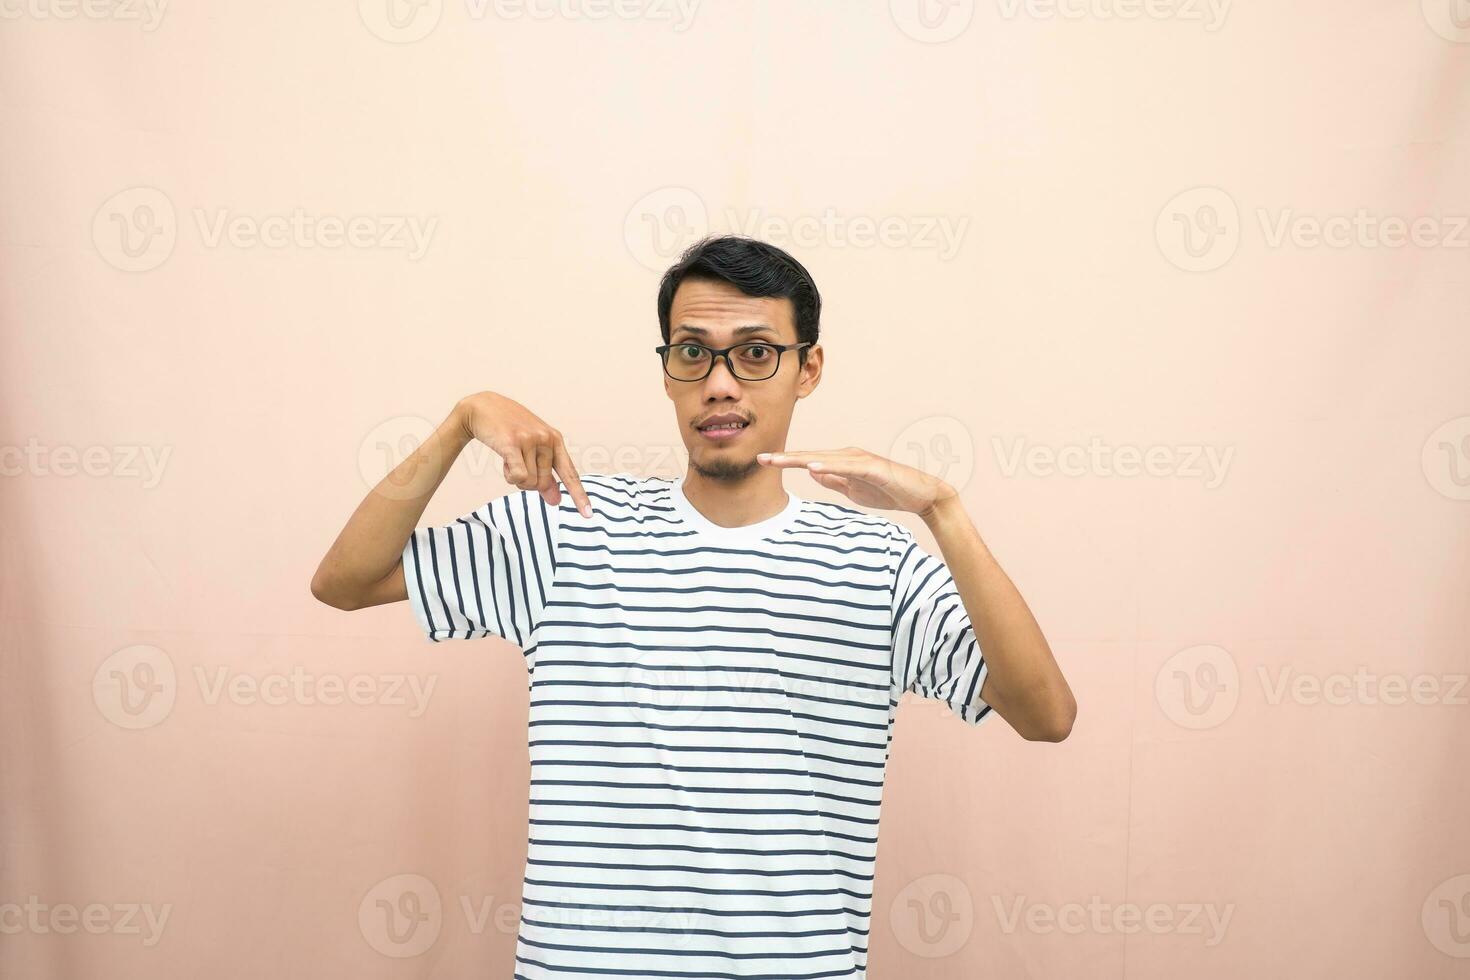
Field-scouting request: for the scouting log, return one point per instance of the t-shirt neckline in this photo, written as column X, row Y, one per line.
column 690, row 516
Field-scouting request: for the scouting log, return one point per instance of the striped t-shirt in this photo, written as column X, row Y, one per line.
column 711, row 710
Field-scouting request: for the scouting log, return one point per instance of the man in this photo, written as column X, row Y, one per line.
column 715, row 662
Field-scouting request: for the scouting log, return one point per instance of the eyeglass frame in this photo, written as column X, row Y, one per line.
column 718, row 352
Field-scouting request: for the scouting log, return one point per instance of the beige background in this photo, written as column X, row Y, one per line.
column 1143, row 285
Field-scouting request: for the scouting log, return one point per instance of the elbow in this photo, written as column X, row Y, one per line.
column 1046, row 719
column 1059, row 725
column 1056, row 733
column 324, row 590
column 1042, row 716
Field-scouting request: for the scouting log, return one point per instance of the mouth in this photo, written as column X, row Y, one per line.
column 723, row 428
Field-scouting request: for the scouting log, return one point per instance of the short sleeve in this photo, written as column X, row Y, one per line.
column 486, row 573
column 935, row 651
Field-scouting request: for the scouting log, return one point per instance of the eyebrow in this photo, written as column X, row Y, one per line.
column 739, row 331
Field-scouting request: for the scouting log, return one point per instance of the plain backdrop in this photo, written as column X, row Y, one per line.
column 1175, row 292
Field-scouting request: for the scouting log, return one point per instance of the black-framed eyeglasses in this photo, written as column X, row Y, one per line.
column 754, row 360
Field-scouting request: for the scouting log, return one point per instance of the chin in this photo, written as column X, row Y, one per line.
column 724, row 467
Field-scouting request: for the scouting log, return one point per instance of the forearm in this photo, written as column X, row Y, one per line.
column 1024, row 683
column 367, row 552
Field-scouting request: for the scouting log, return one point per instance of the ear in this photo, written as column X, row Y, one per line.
column 811, row 371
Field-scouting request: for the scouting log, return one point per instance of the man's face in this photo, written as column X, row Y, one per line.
column 716, row 314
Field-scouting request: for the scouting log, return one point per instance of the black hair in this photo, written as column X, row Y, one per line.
column 755, row 268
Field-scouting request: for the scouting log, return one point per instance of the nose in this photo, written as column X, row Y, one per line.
column 721, row 380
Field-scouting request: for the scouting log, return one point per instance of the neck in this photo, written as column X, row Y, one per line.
column 736, row 500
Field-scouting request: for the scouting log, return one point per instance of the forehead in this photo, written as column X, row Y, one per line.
column 714, row 310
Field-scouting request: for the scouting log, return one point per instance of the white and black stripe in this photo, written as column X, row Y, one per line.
column 487, row 573
column 711, row 714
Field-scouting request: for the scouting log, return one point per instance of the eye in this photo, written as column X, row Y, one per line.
column 690, row 352
column 756, row 352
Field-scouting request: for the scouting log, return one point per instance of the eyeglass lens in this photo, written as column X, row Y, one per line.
column 752, row 362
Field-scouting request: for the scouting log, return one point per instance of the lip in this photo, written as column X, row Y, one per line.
column 723, row 435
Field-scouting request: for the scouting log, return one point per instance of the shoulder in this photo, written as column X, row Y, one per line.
column 842, row 519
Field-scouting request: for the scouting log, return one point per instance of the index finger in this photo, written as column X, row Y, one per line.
column 562, row 463
column 798, row 458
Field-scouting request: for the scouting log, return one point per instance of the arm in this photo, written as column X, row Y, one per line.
column 364, row 567
column 1024, row 684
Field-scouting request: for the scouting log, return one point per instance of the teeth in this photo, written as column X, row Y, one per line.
column 725, row 425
